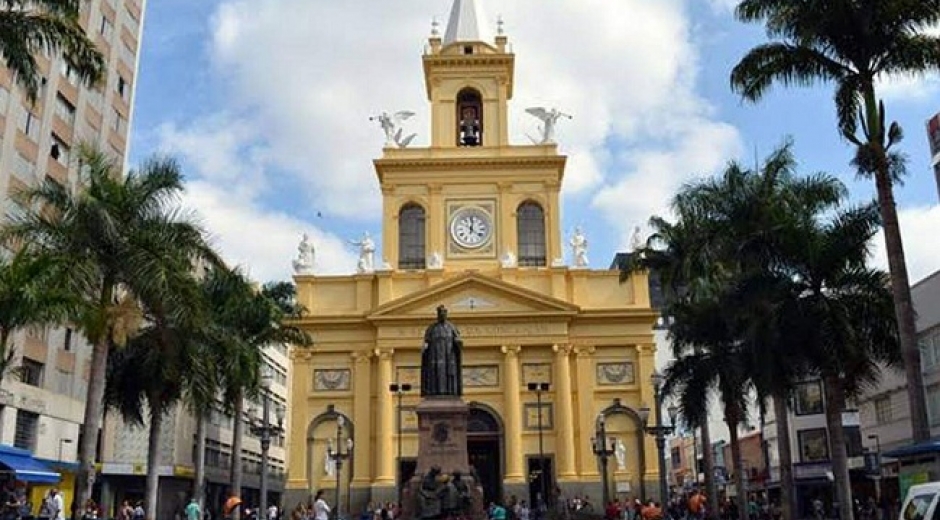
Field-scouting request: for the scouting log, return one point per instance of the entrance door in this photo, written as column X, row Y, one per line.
column 540, row 478
column 484, row 448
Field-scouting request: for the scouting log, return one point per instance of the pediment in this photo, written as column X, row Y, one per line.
column 474, row 295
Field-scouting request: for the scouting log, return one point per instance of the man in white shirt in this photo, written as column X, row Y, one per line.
column 321, row 511
column 59, row 505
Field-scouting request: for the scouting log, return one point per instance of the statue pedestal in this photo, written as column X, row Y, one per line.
column 442, row 435
column 443, row 465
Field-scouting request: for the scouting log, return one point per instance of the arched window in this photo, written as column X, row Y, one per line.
column 469, row 118
column 411, row 237
column 530, row 228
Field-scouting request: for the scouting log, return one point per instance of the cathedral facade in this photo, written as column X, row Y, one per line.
column 473, row 223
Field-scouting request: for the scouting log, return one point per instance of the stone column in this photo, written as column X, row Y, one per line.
column 564, row 416
column 384, row 434
column 362, row 415
column 586, row 412
column 515, row 470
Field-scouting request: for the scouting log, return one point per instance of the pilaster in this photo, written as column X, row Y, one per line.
column 362, row 416
column 515, row 471
column 647, row 363
column 586, row 413
column 384, row 453
column 564, row 419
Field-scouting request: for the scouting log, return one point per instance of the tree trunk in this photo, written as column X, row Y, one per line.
column 6, row 353
column 199, row 480
column 152, row 489
column 91, row 423
column 785, row 456
column 708, row 458
column 900, row 283
column 835, row 403
column 235, row 475
column 737, row 463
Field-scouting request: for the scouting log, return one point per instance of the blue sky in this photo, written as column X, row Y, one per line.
column 266, row 102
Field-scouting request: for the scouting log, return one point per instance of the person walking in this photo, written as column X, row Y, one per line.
column 321, row 510
column 193, row 511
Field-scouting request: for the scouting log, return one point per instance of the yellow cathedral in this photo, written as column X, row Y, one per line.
column 473, row 223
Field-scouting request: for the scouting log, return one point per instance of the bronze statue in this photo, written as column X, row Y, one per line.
column 441, row 359
column 429, row 496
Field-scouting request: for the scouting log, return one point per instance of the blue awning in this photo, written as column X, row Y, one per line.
column 25, row 467
column 913, row 450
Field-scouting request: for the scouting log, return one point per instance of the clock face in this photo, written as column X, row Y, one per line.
column 471, row 228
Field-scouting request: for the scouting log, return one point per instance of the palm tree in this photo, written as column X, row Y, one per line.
column 28, row 28
column 247, row 320
column 167, row 351
column 122, row 238
column 709, row 360
column 27, row 298
column 841, row 311
column 728, row 235
column 854, row 44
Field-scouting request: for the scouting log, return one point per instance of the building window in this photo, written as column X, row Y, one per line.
column 23, row 167
column 411, row 250
column 814, row 445
column 809, row 398
column 31, row 372
column 933, row 404
column 107, row 27
column 530, row 228
column 118, row 122
column 123, row 89
column 65, row 109
column 882, row 410
column 26, row 425
column 70, row 75
column 59, row 150
column 67, row 342
column 853, row 441
column 676, row 457
column 29, row 124
column 469, row 118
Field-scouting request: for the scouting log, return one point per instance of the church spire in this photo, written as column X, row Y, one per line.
column 466, row 23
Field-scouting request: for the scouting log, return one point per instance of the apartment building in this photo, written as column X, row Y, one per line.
column 810, row 448
column 124, row 455
column 40, row 412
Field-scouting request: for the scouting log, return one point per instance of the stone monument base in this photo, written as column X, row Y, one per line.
column 444, row 485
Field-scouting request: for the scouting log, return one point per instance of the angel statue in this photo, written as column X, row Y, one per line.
column 366, row 253
column 636, row 241
column 621, row 454
column 391, row 125
column 579, row 248
column 304, row 263
column 549, row 118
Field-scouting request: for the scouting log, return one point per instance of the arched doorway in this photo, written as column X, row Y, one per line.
column 485, row 450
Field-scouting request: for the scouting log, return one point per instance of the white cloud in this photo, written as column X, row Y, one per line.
column 922, row 253
column 916, row 89
column 303, row 78
column 313, row 72
column 229, row 176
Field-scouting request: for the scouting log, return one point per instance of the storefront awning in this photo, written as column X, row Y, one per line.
column 25, row 467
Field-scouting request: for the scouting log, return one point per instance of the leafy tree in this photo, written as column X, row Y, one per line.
column 27, row 298
column 247, row 319
column 722, row 260
column 122, row 238
column 854, row 44
column 30, row 27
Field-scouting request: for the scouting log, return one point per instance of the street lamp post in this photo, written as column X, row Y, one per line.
column 338, row 456
column 399, row 389
column 539, row 388
column 660, row 430
column 265, row 430
column 603, row 451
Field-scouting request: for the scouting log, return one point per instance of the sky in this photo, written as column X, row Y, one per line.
column 267, row 102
